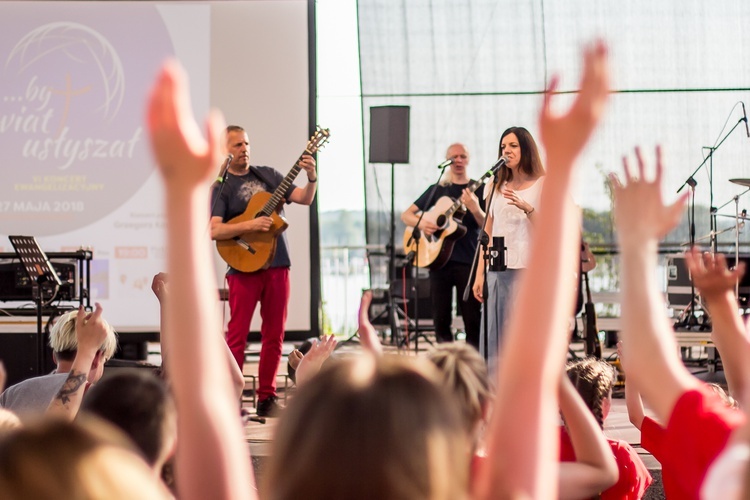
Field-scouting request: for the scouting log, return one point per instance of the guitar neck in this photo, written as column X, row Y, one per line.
column 278, row 194
column 457, row 204
column 319, row 138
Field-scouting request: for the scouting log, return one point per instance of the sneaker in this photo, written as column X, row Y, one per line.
column 269, row 407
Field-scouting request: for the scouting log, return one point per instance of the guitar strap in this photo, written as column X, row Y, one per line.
column 260, row 175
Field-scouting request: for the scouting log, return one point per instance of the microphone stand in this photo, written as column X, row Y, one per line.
column 483, row 241
column 416, row 238
column 221, row 180
column 710, row 160
column 689, row 319
column 737, row 216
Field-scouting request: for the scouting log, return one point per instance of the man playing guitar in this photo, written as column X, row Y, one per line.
column 269, row 286
column 456, row 272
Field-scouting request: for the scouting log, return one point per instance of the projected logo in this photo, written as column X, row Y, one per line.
column 71, row 117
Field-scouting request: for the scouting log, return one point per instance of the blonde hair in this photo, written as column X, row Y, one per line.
column 62, row 338
column 86, row 459
column 464, row 373
column 728, row 400
column 370, row 428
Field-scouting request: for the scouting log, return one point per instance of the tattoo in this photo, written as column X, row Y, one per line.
column 74, row 382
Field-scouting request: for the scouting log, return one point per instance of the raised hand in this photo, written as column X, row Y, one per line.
column 367, row 334
column 710, row 273
column 565, row 135
column 159, row 286
column 640, row 213
column 315, row 357
column 91, row 330
column 209, row 430
column 295, row 358
column 183, row 156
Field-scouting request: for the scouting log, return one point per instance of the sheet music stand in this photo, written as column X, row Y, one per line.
column 40, row 271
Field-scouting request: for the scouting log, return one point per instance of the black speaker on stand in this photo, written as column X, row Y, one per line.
column 389, row 143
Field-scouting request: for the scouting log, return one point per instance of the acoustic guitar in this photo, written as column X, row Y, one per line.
column 435, row 250
column 254, row 251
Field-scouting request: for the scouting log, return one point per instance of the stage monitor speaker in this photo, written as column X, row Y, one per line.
column 678, row 281
column 407, row 303
column 389, row 134
column 18, row 352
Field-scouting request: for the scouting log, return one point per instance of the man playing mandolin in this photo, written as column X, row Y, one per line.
column 270, row 284
column 455, row 273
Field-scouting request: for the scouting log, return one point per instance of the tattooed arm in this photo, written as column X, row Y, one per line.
column 91, row 332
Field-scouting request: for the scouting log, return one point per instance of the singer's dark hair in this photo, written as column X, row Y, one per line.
column 531, row 160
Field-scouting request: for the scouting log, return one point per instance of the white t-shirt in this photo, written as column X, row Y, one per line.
column 512, row 223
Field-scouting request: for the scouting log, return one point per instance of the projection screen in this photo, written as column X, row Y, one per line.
column 77, row 169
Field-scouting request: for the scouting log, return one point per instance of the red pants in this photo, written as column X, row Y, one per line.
column 271, row 288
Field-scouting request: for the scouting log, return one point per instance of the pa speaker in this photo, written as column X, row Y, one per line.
column 389, row 134
column 18, row 352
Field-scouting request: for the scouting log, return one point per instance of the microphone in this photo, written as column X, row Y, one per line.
column 495, row 168
column 223, row 175
column 450, row 162
column 744, row 117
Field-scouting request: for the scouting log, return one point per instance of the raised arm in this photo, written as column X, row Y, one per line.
column 595, row 468
column 633, row 400
column 642, row 220
column 367, row 334
column 91, row 332
column 305, row 195
column 313, row 360
column 716, row 282
column 212, row 460
column 523, row 452
column 161, row 290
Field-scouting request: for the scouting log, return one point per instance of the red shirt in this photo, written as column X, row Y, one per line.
column 634, row 477
column 698, row 429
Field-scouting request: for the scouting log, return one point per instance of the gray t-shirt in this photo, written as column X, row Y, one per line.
column 31, row 397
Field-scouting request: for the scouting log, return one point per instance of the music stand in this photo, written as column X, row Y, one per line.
column 40, row 271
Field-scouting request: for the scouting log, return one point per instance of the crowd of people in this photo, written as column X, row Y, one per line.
column 450, row 425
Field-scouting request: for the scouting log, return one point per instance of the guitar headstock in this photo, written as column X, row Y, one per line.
column 318, row 140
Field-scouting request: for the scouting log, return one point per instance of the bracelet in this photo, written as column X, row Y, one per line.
column 529, row 212
column 312, row 181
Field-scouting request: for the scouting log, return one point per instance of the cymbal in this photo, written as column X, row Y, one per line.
column 741, row 182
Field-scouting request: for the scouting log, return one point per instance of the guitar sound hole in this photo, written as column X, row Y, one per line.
column 440, row 221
